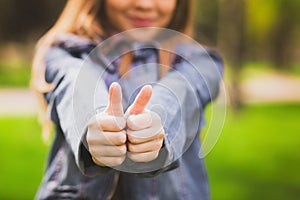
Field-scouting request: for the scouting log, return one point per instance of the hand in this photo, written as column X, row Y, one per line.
column 106, row 136
column 145, row 132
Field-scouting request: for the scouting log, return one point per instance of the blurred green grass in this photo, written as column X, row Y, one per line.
column 23, row 155
column 256, row 157
column 253, row 69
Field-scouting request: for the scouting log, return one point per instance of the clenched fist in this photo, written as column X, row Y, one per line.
column 106, row 136
column 109, row 139
column 145, row 132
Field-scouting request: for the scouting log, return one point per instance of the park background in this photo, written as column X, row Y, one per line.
column 257, row 154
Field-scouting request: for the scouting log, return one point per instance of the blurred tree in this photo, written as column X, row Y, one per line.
column 272, row 27
column 260, row 18
column 206, row 21
column 282, row 32
column 24, row 20
column 231, row 42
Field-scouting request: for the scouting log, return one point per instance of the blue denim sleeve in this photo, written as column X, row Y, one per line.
column 181, row 96
column 203, row 68
column 77, row 93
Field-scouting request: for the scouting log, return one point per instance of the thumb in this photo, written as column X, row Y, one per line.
column 141, row 100
column 115, row 107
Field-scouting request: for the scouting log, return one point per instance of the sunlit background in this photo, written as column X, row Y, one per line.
column 257, row 155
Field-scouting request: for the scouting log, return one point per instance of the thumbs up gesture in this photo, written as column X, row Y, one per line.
column 106, row 136
column 145, row 132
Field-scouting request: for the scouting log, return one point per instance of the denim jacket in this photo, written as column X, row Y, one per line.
column 179, row 98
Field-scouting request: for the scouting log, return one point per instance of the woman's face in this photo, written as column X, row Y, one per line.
column 127, row 14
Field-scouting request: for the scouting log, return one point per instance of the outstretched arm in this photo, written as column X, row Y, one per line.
column 180, row 97
column 73, row 101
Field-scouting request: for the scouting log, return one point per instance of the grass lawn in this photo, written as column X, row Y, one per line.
column 256, row 157
column 23, row 156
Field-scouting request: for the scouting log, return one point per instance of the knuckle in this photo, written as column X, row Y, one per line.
column 132, row 140
column 155, row 155
column 130, row 125
column 152, row 156
column 89, row 139
column 95, row 160
column 130, row 122
column 92, row 151
column 122, row 149
column 120, row 138
column 118, row 123
column 131, row 147
column 161, row 135
column 90, row 125
column 92, row 122
column 157, row 145
column 119, row 160
column 98, row 118
column 134, row 157
column 99, row 125
column 130, row 137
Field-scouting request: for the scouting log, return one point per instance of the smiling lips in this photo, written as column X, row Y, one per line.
column 141, row 22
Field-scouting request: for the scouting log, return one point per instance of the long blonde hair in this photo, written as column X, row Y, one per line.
column 87, row 18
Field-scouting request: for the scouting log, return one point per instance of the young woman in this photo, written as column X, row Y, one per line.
column 128, row 140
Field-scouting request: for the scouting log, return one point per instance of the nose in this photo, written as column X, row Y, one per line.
column 144, row 4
